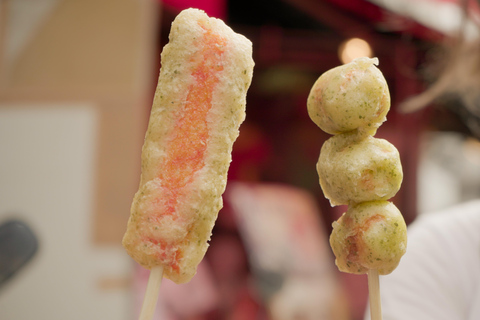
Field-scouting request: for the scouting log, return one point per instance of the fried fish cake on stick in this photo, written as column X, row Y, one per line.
column 356, row 169
column 198, row 107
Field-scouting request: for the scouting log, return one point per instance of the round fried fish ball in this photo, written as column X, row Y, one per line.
column 348, row 97
column 370, row 235
column 353, row 170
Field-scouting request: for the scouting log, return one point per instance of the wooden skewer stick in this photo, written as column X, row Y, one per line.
column 151, row 293
column 374, row 295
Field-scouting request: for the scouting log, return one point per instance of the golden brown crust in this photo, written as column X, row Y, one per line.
column 356, row 169
column 353, row 171
column 370, row 235
column 353, row 96
column 198, row 107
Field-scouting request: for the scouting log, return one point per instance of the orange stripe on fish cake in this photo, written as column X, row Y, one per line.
column 187, row 148
column 186, row 151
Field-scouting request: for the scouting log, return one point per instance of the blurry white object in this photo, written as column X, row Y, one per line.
column 281, row 227
column 306, row 298
column 47, row 175
column 438, row 277
column 288, row 249
column 448, row 171
column 444, row 16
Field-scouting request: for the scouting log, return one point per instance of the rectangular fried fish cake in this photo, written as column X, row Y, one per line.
column 198, row 107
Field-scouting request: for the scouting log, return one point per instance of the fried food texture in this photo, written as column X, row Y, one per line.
column 356, row 169
column 370, row 235
column 198, row 107
column 353, row 96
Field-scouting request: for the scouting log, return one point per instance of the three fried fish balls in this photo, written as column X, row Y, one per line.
column 356, row 169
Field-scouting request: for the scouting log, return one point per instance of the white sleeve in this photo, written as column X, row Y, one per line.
column 439, row 275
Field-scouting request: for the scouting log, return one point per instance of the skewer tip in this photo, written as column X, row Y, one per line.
column 151, row 293
column 374, row 295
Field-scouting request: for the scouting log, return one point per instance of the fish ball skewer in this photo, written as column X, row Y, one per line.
column 356, row 169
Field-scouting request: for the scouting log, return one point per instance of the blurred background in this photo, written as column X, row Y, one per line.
column 76, row 84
